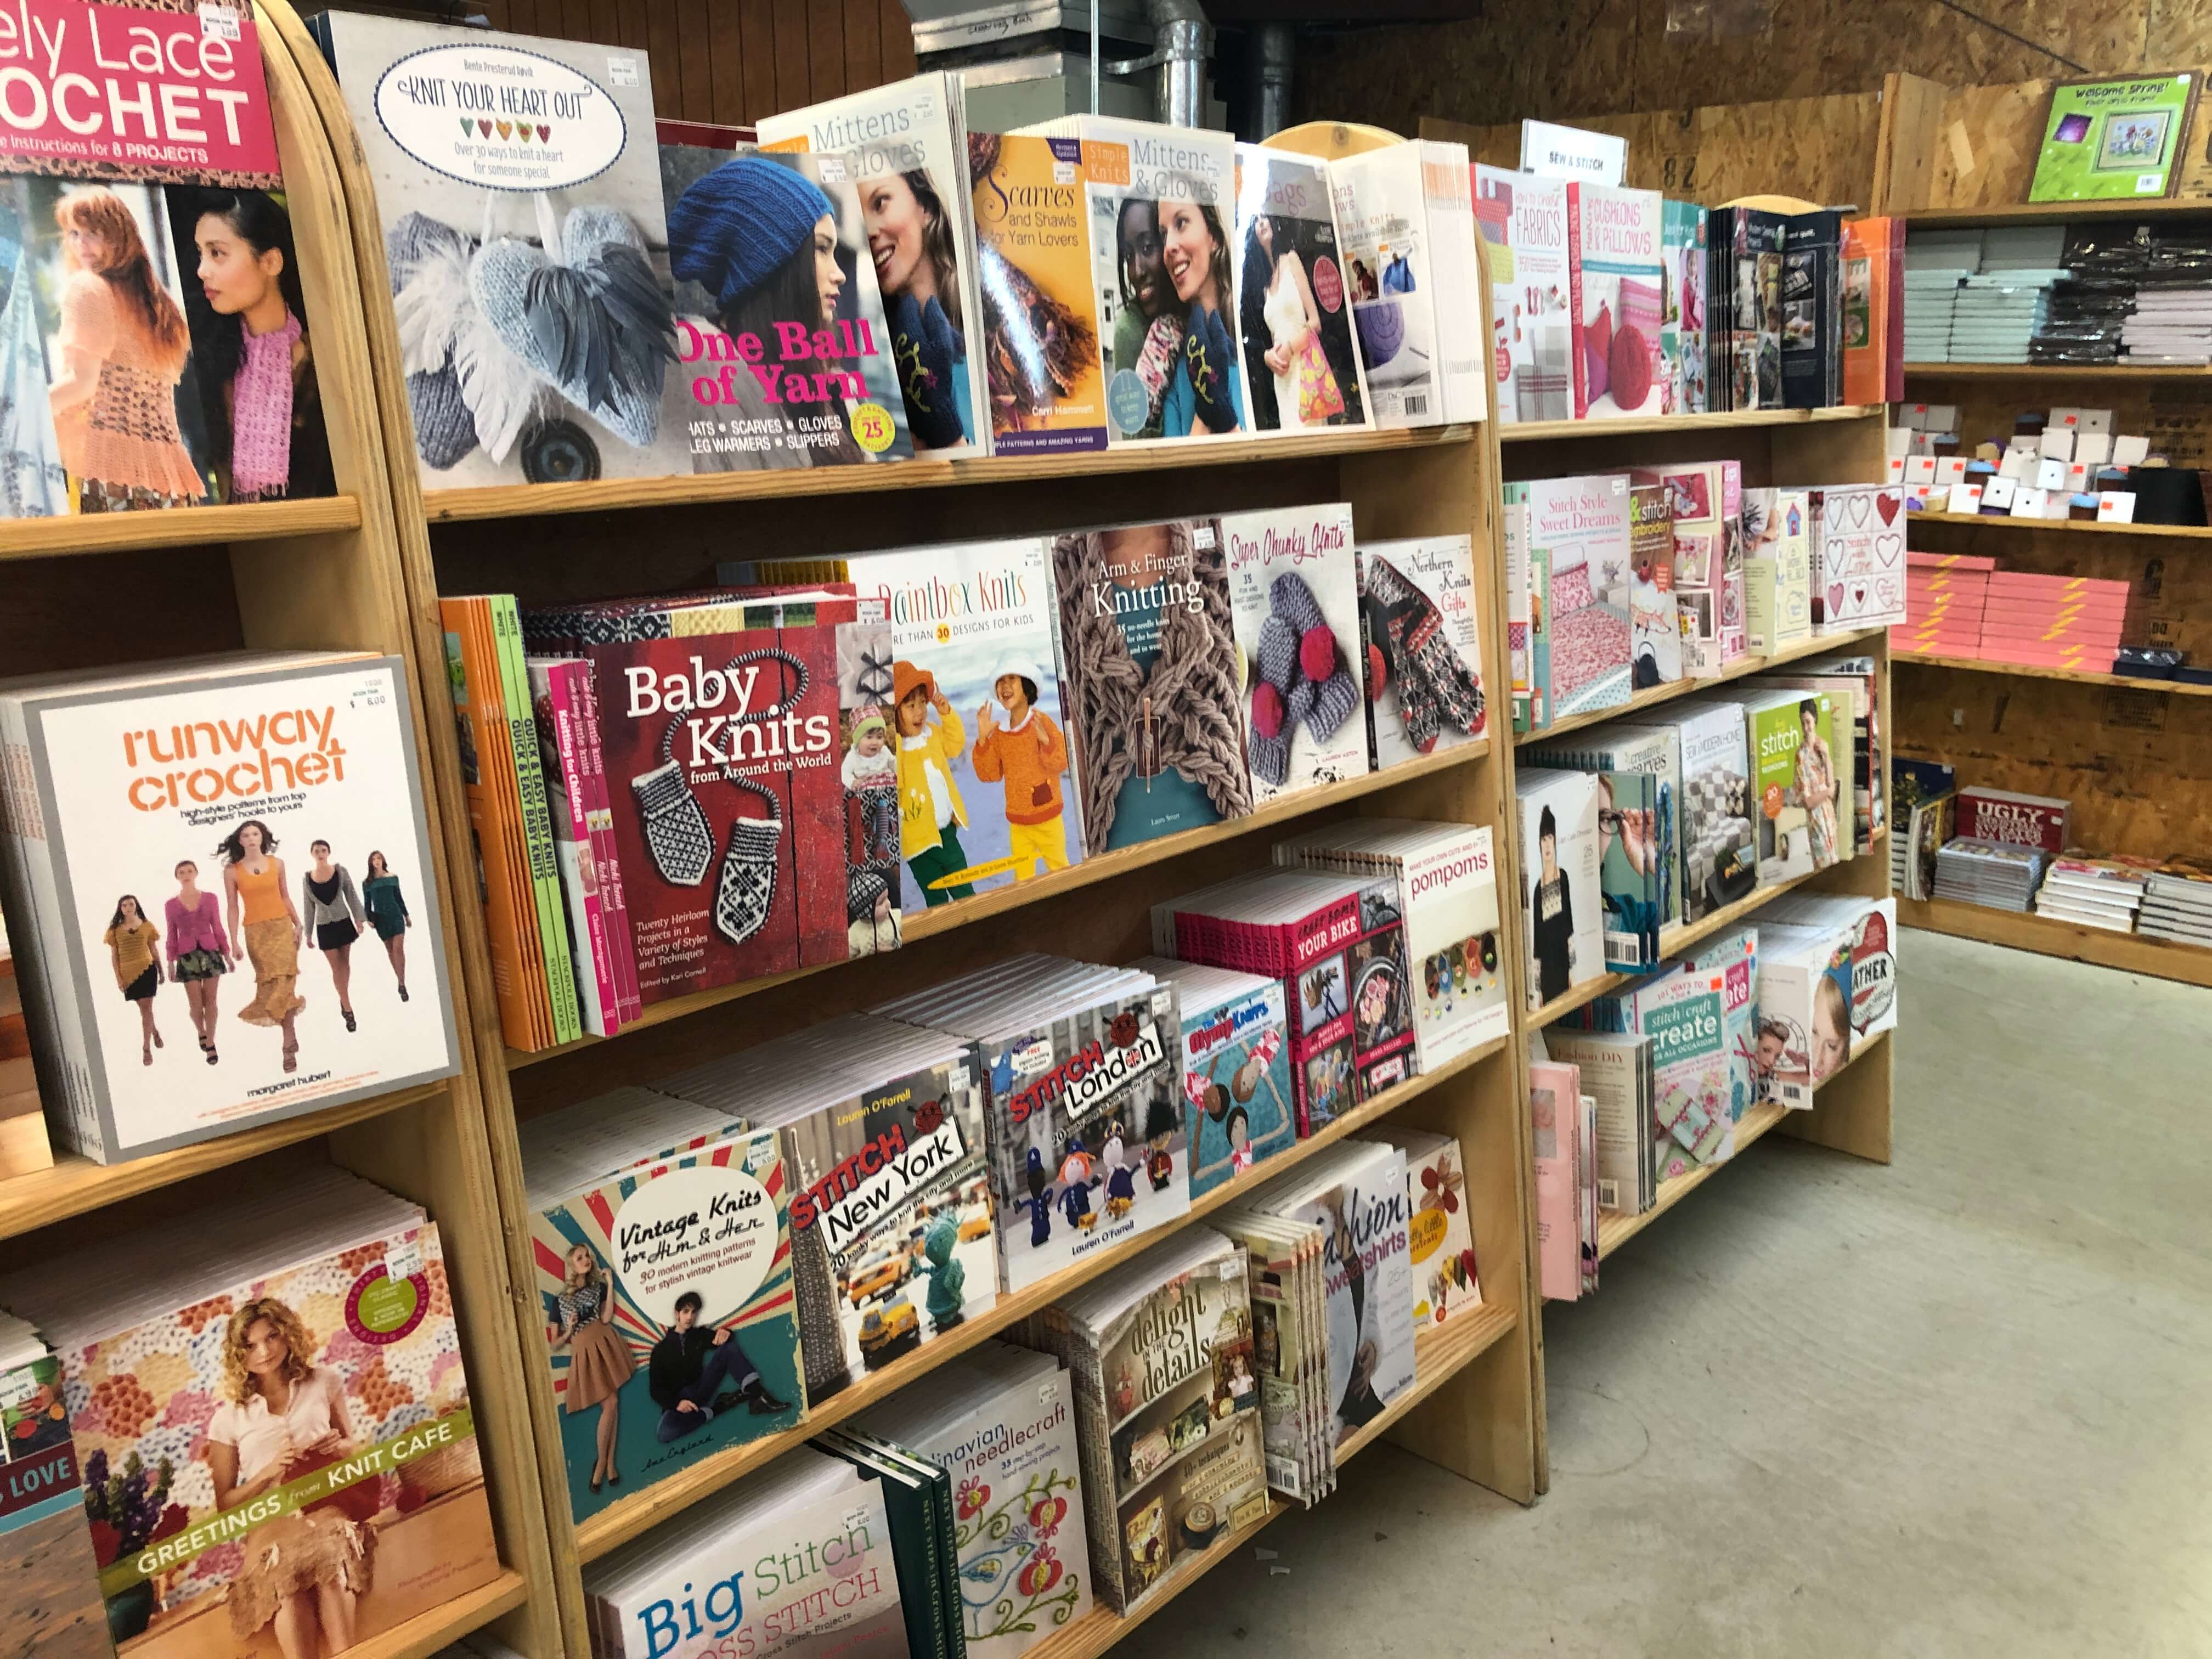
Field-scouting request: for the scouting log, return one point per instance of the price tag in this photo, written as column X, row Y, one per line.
column 403, row 1260
column 219, row 20
column 622, row 71
column 16, row 1387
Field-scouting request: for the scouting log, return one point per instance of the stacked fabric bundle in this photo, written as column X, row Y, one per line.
column 2053, row 621
column 1946, row 596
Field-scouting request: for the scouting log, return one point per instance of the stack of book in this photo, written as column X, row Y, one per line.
column 2053, row 621
column 2096, row 892
column 1563, row 1116
column 1995, row 315
column 2178, row 902
column 2170, row 325
column 1287, row 1273
column 1994, row 874
column 1936, row 263
column 1946, row 596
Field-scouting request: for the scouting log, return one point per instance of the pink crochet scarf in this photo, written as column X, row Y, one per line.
column 261, row 413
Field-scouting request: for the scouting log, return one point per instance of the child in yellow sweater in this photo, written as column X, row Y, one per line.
column 931, row 812
column 1028, row 754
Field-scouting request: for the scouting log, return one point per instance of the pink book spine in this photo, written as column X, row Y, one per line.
column 1555, row 1101
column 599, row 814
column 1575, row 336
column 567, row 717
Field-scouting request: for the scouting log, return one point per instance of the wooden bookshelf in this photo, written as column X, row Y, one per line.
column 183, row 526
column 430, row 1633
column 2072, row 526
column 2066, row 372
column 2050, row 936
column 2056, row 213
column 2037, row 671
column 1656, row 696
column 1727, row 420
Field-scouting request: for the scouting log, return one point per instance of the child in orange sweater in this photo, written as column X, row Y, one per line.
column 1028, row 755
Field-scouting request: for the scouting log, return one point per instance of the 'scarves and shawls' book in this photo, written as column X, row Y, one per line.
column 1302, row 365
column 1421, row 631
column 1406, row 214
column 1294, row 592
column 1523, row 219
column 1154, row 697
column 1236, row 1067
column 1615, row 272
column 1585, row 658
column 190, row 846
column 1167, row 1404
column 50, row 1600
column 521, row 184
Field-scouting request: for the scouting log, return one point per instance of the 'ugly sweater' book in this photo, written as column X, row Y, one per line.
column 1294, row 592
column 1615, row 273
column 1302, row 364
column 1236, row 1067
column 1583, row 659
column 1421, row 633
column 1523, row 220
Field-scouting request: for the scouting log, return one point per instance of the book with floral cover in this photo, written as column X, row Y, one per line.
column 50, row 1600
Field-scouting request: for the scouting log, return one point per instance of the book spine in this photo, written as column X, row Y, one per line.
column 599, row 815
column 586, row 907
column 536, row 823
column 1575, row 300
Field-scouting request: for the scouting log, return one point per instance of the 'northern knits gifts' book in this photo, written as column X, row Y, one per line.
column 1294, row 592
column 52, row 1598
column 1583, row 658
column 1421, row 630
column 1615, row 271
column 1302, row 363
column 216, row 824
column 1236, row 1067
column 1523, row 220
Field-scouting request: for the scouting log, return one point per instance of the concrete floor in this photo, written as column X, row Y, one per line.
column 1959, row 1406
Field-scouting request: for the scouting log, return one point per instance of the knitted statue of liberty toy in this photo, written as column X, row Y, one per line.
column 1301, row 677
column 1410, row 650
column 947, row 1278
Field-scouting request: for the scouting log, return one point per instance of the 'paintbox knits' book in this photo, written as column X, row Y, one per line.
column 1302, row 364
column 781, row 334
column 1154, row 699
column 1616, row 270
column 50, row 1600
column 1040, row 339
column 909, row 141
column 190, row 847
column 1236, row 1067
column 1406, row 214
column 1420, row 629
column 520, row 179
column 1294, row 592
column 1523, row 220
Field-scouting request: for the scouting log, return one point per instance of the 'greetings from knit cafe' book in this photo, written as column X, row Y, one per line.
column 141, row 141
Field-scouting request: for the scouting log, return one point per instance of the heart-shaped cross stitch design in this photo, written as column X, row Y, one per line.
column 1859, row 597
column 1853, row 511
column 545, row 132
column 1889, row 504
column 506, row 129
column 1885, row 591
column 484, row 127
column 1835, row 599
column 1887, row 549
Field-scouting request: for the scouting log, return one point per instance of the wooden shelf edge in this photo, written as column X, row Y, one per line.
column 1541, row 431
column 2049, row 936
column 1440, row 1352
column 620, row 494
column 2157, row 207
column 943, row 918
column 75, row 1185
column 2039, row 672
column 182, row 526
column 1820, row 646
column 2072, row 526
column 619, row 1523
column 428, row 1633
column 2059, row 371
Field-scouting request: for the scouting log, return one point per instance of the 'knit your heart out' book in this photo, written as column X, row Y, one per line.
column 524, row 227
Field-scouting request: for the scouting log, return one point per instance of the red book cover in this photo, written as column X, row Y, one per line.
column 2000, row 815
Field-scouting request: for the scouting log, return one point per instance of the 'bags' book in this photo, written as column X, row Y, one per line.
column 1301, row 361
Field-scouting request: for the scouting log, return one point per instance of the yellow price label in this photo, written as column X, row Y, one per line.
column 872, row 428
column 1428, row 1232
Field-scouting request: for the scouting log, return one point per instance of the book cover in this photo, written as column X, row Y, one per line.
column 1421, row 633
column 1440, row 1247
column 1654, row 628
column 1682, row 323
column 1853, row 687
column 1379, row 994
column 182, row 828
column 2018, row 820
column 1154, row 696
column 1630, row 885
column 556, row 707
column 1236, row 1067
column 1555, row 1115
column 1041, row 356
column 1391, row 252
column 679, row 1269
column 1804, row 1010
column 1302, row 363
column 910, row 144
column 524, row 229
column 782, row 341
column 1858, row 557
column 1519, row 599
column 1653, row 842
column 918, row 1503
column 1614, row 1069
column 1793, row 781
column 1720, row 855
column 1812, row 309
column 1582, row 525
column 1282, row 1261
column 1734, row 956
column 1868, row 287
column 1560, row 910
column 1753, row 256
column 52, row 1601
column 1777, row 568
column 536, row 817
column 1523, row 220
column 1686, row 1018
column 1294, row 596
column 870, row 799
column 1616, row 272
column 1708, row 504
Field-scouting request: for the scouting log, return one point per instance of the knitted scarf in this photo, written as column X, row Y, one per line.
column 261, row 413
column 1186, row 713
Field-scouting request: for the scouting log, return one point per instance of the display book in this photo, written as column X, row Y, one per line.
column 1523, row 219
column 1420, row 634
column 203, row 824
column 1580, row 568
column 1236, row 1067
column 1561, row 907
column 1159, row 1355
column 2178, row 902
column 1614, row 1069
column 1337, row 945
column 1636, row 773
column 1853, row 684
column 1294, row 602
column 1778, row 569
column 1774, row 337
column 1799, row 798
column 1616, row 265
column 660, row 1235
column 1924, row 797
column 52, row 1590
column 1440, row 1239
column 1859, row 572
column 160, row 354
column 1705, row 502
column 274, row 1424
column 1563, row 1119
column 1302, row 364
column 1087, row 1142
column 1285, row 1283
column 2096, row 892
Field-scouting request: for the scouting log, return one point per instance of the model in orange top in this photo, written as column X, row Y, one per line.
column 1028, row 754
column 253, row 879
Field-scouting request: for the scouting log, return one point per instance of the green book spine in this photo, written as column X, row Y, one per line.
column 944, row 1584
column 537, row 823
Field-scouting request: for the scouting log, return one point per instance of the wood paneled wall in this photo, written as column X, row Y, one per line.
column 734, row 61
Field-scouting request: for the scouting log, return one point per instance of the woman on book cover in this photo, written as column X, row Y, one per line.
column 121, row 351
column 1148, row 329
column 199, row 950
column 1204, row 397
column 335, row 918
column 1305, row 387
column 931, row 812
column 387, row 912
column 1552, row 925
column 283, row 1417
column 912, row 239
column 1816, row 783
column 599, row 1361
column 1832, row 1023
column 132, row 942
column 261, row 915
column 251, row 359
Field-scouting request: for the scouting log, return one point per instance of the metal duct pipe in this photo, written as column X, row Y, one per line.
column 1275, row 48
column 1181, row 39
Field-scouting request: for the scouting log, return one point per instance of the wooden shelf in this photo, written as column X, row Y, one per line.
column 1681, row 936
column 2132, row 953
column 2038, row 672
column 1615, row 1229
column 431, row 1632
column 2079, row 526
column 619, row 1523
column 1820, row 646
column 944, row 918
column 1439, row 1354
column 75, row 1185
column 1539, row 431
column 183, row 526
column 2059, row 372
column 619, row 495
column 2013, row 213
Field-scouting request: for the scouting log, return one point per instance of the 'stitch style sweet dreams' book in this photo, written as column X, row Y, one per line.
column 1294, row 592
column 519, row 182
column 1302, row 363
column 148, row 242
column 193, row 847
column 1583, row 658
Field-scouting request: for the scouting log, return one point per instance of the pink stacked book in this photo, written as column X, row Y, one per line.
column 1946, row 594
column 2054, row 622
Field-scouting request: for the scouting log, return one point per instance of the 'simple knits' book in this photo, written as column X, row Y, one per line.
column 1523, row 220
column 910, row 144
column 787, row 364
column 520, row 179
column 1154, row 699
column 51, row 1597
column 666, row 1294
column 1167, row 1400
column 1420, row 629
column 1441, row 1244
column 1683, row 260
column 1236, row 1067
column 1161, row 201
column 2003, row 814
column 1560, row 881
column 1614, row 1069
column 1720, row 854
column 1655, row 626
column 1778, row 569
column 170, row 826
column 1294, row 594
column 1406, row 214
column 1858, row 557
column 1585, row 658
column 1302, row 367
column 1616, row 272
column 1040, row 338
column 1555, row 1111
column 1812, row 309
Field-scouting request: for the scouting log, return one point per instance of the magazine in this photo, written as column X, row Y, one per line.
column 1302, row 363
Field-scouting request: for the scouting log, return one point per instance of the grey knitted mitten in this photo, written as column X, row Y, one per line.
column 445, row 431
column 1320, row 656
column 1276, row 663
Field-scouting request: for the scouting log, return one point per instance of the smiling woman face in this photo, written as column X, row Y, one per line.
column 1187, row 250
column 828, row 275
column 1140, row 257
column 897, row 225
column 265, row 1348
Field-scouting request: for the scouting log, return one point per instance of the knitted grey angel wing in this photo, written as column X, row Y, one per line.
column 441, row 330
column 604, row 325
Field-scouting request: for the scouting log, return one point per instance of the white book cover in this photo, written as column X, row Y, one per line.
column 235, row 813
column 1559, row 894
column 1719, row 851
column 1391, row 264
column 1523, row 220
column 1294, row 601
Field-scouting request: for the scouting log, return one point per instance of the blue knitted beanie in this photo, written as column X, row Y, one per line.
column 733, row 229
